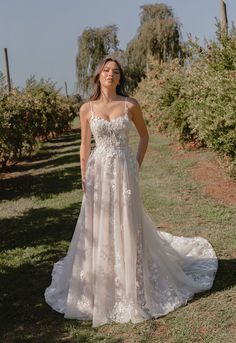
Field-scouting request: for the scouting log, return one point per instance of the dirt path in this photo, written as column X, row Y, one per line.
column 210, row 175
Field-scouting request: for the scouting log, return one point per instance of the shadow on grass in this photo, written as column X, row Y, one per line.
column 67, row 137
column 25, row 317
column 39, row 226
column 54, row 146
column 225, row 278
column 62, row 152
column 43, row 158
column 45, row 185
column 48, row 150
column 47, row 181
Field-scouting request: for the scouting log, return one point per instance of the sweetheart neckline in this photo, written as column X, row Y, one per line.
column 111, row 120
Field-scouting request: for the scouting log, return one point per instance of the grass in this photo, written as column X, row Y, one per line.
column 38, row 212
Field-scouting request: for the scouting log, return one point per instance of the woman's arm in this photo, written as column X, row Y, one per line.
column 85, row 145
column 141, row 127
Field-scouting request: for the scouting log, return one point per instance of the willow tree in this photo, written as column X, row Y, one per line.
column 93, row 45
column 158, row 36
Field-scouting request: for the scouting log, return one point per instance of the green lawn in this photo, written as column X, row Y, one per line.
column 38, row 212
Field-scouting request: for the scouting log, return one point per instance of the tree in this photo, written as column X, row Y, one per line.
column 93, row 45
column 158, row 36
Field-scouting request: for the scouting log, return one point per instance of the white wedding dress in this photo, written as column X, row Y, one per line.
column 119, row 267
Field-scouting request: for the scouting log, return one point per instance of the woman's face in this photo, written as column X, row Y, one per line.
column 110, row 75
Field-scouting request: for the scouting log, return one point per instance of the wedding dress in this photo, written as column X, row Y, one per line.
column 119, row 267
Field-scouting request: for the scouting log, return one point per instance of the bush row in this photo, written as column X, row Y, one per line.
column 196, row 100
column 36, row 112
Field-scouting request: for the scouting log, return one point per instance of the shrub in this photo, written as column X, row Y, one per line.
column 196, row 100
column 36, row 111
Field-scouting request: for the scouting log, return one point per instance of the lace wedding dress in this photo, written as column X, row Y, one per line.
column 119, row 267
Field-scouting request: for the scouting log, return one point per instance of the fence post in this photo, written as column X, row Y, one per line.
column 7, row 71
column 66, row 89
column 223, row 17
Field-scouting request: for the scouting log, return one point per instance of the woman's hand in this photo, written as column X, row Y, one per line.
column 138, row 164
column 84, row 185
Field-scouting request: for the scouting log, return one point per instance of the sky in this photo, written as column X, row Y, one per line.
column 42, row 35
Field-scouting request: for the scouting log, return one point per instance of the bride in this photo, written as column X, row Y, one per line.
column 119, row 267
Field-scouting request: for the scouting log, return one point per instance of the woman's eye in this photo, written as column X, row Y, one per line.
column 107, row 70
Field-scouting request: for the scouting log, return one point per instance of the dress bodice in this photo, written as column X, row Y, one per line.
column 113, row 134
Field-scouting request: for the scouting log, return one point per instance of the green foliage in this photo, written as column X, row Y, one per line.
column 36, row 111
column 155, row 11
column 158, row 36
column 2, row 82
column 163, row 102
column 196, row 100
column 94, row 45
column 221, row 54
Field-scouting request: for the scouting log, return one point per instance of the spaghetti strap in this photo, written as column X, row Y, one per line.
column 91, row 106
column 91, row 110
column 125, row 104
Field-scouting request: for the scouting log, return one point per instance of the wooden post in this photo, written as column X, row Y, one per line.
column 7, row 71
column 223, row 17
column 66, row 89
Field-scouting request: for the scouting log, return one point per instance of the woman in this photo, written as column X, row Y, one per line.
column 119, row 267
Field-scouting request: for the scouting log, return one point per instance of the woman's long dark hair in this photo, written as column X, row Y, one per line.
column 120, row 88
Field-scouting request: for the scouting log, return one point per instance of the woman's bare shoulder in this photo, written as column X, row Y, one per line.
column 132, row 103
column 84, row 110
